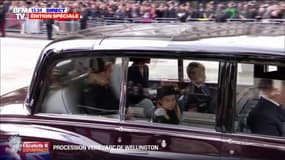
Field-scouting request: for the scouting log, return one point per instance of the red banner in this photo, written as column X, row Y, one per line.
column 55, row 16
column 32, row 147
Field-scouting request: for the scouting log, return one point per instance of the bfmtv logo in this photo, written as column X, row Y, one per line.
column 20, row 13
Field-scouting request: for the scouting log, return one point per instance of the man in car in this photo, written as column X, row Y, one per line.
column 198, row 97
column 98, row 97
column 268, row 117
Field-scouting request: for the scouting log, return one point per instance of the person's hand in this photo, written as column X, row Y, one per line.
column 193, row 108
column 160, row 112
column 130, row 113
column 146, row 92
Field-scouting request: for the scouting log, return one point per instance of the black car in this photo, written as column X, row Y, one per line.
column 153, row 91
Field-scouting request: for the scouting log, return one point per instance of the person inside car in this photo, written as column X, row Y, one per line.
column 268, row 116
column 197, row 97
column 138, row 95
column 56, row 79
column 167, row 109
column 98, row 96
column 138, row 76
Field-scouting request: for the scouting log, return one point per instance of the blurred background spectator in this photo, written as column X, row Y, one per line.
column 4, row 6
column 105, row 12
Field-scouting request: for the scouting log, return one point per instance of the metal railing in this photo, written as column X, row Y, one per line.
column 39, row 27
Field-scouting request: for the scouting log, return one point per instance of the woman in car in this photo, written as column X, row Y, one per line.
column 54, row 94
column 167, row 109
column 98, row 97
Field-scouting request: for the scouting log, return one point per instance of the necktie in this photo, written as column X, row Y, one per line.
column 204, row 90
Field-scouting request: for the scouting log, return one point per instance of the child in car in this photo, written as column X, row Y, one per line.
column 198, row 97
column 167, row 110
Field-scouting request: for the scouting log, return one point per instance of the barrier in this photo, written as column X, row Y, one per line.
column 39, row 27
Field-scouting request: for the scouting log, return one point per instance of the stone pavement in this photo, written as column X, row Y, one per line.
column 30, row 36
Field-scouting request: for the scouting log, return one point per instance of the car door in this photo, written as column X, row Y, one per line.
column 247, row 147
column 165, row 142
column 57, row 116
column 196, row 137
column 68, row 137
column 240, row 141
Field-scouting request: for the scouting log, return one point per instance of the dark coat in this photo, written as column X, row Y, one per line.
column 136, row 77
column 198, row 97
column 84, row 19
column 99, row 99
column 267, row 118
column 139, row 82
column 2, row 14
column 49, row 22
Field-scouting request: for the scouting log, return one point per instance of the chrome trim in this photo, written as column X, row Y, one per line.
column 168, row 126
column 166, row 155
column 200, row 136
column 254, row 144
column 123, row 97
column 114, row 127
column 74, row 117
column 251, row 135
column 38, row 122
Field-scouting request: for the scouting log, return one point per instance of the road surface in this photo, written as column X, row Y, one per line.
column 18, row 59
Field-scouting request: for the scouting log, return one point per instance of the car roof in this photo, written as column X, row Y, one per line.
column 198, row 37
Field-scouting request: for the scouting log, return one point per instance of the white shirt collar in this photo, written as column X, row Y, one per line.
column 197, row 85
column 270, row 100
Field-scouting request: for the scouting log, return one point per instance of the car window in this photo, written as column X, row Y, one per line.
column 200, row 93
column 165, row 99
column 260, row 100
column 211, row 70
column 245, row 74
column 163, row 69
column 86, row 86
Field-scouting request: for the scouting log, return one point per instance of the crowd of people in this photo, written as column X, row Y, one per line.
column 147, row 11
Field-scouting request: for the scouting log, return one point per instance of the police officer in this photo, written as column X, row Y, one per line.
column 84, row 17
column 49, row 24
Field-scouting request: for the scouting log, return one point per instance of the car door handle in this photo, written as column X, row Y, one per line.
column 163, row 143
column 119, row 139
column 231, row 152
column 138, row 152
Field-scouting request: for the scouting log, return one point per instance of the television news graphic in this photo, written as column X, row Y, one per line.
column 35, row 146
column 45, row 14
column 20, row 13
column 54, row 16
column 74, row 147
column 16, row 149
